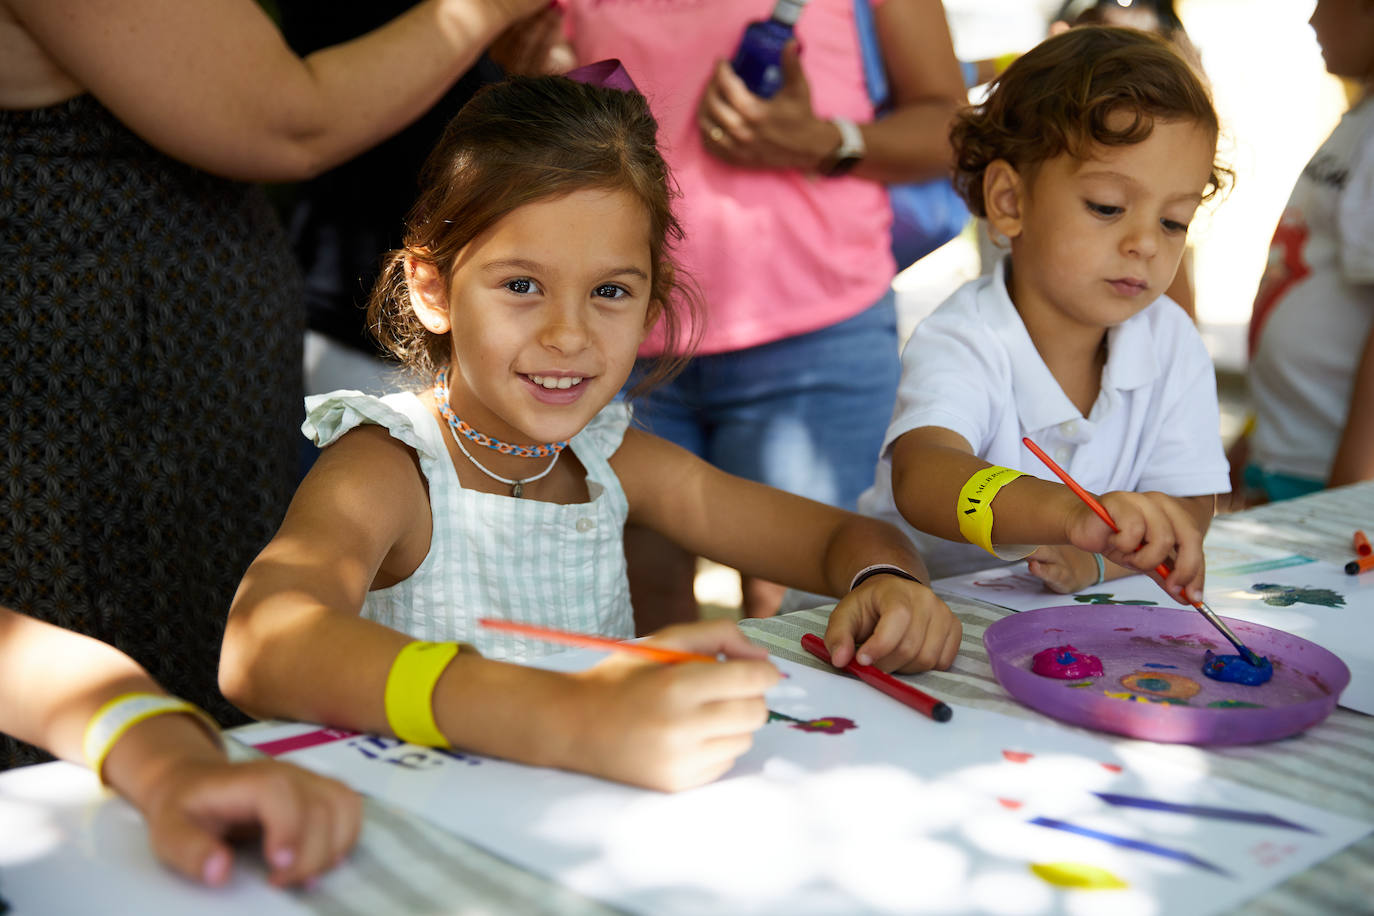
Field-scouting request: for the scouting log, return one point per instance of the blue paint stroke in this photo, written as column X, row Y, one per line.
column 1128, row 843
column 1221, row 814
column 1158, row 665
column 1245, row 569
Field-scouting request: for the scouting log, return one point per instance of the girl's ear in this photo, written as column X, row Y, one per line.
column 651, row 315
column 1004, row 197
column 428, row 295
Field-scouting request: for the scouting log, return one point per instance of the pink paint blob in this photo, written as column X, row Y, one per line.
column 1066, row 663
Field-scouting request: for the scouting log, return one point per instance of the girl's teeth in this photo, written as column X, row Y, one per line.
column 548, row 381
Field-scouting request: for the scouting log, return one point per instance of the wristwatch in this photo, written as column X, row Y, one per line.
column 848, row 153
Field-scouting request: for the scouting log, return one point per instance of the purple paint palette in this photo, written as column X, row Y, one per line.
column 1152, row 685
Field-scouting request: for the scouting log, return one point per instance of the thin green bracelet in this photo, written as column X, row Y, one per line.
column 1101, row 569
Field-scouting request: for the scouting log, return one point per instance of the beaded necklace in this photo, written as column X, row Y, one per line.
column 462, row 430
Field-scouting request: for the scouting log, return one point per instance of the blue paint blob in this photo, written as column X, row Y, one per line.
column 1233, row 669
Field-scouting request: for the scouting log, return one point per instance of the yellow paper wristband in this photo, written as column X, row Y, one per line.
column 410, row 691
column 117, row 716
column 974, row 507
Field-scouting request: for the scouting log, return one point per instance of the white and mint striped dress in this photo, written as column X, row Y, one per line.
column 497, row 556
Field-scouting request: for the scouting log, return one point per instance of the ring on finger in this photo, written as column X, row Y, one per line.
column 716, row 133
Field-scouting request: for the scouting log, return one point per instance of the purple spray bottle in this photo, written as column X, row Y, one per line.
column 758, row 59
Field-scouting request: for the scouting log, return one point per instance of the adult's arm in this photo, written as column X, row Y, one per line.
column 909, row 144
column 912, row 142
column 1355, row 455
column 214, row 84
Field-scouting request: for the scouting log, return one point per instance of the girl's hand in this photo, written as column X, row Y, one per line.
column 671, row 727
column 308, row 822
column 1153, row 527
column 778, row 133
column 902, row 626
column 1063, row 569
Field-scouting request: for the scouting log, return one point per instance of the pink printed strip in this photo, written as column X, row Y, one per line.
column 303, row 741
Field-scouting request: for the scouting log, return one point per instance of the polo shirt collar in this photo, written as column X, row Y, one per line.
column 1040, row 401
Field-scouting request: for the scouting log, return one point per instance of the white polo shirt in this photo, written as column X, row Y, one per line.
column 972, row 368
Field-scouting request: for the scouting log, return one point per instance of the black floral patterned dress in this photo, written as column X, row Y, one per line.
column 150, row 394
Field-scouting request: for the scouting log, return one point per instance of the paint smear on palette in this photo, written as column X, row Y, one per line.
column 828, row 725
column 1162, row 684
column 1289, row 595
column 1077, row 875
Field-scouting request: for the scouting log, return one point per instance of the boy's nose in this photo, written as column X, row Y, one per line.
column 1142, row 239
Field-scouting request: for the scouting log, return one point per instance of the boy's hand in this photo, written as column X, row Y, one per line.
column 1063, row 569
column 308, row 822
column 898, row 625
column 672, row 727
column 1153, row 528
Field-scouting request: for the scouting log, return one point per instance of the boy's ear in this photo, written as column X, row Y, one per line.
column 428, row 295
column 1004, row 197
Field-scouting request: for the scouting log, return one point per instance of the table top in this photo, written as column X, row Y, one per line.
column 89, row 833
column 1330, row 766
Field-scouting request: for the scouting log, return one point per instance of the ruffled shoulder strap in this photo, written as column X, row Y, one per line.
column 329, row 416
column 603, row 435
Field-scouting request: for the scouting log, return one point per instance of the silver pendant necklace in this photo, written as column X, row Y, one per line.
column 461, row 430
column 517, row 487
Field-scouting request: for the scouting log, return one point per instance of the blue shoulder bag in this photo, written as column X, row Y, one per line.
column 925, row 214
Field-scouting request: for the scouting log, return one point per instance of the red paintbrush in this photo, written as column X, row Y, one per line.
column 1161, row 569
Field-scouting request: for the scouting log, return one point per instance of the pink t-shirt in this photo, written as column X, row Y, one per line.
column 775, row 253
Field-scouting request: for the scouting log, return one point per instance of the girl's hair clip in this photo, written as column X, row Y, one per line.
column 608, row 74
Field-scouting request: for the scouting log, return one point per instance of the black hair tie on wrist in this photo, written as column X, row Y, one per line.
column 881, row 569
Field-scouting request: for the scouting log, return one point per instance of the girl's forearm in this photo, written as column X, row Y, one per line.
column 299, row 660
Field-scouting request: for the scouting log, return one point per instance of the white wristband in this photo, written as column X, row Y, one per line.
column 117, row 716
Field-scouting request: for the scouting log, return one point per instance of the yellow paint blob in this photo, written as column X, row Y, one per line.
column 1077, row 875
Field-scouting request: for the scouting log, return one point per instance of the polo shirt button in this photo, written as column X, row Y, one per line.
column 1061, row 455
column 585, row 524
column 1069, row 427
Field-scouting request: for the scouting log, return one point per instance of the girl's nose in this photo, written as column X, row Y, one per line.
column 565, row 328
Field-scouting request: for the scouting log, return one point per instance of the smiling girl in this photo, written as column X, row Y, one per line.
column 535, row 262
column 1090, row 156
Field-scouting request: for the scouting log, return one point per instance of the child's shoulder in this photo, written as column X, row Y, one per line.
column 403, row 414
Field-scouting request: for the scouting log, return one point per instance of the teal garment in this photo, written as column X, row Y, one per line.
column 497, row 556
column 1278, row 486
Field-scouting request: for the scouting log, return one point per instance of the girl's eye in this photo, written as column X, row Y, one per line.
column 522, row 286
column 610, row 291
column 1173, row 225
column 1102, row 209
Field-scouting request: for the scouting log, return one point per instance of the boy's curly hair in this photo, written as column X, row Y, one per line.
column 1064, row 95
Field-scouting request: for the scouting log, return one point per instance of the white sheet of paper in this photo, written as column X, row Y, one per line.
column 900, row 814
column 69, row 846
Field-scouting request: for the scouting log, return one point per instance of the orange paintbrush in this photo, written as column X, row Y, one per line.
column 585, row 641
